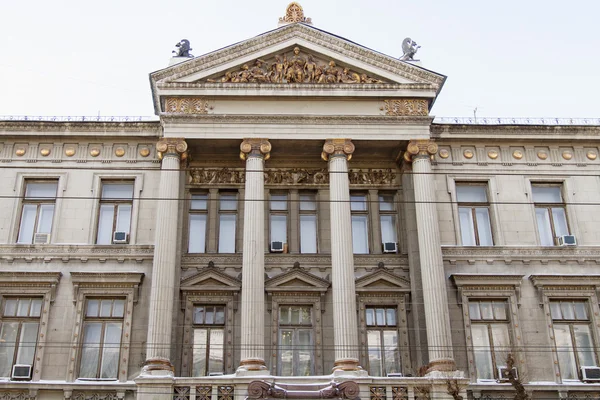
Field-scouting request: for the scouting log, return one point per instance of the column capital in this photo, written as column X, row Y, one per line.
column 255, row 147
column 174, row 147
column 420, row 148
column 336, row 148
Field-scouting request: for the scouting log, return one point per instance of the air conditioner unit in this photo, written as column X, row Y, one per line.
column 390, row 247
column 21, row 371
column 395, row 375
column 120, row 237
column 503, row 373
column 41, row 238
column 276, row 247
column 567, row 240
column 590, row 374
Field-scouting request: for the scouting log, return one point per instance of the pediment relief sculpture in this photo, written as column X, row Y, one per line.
column 294, row 67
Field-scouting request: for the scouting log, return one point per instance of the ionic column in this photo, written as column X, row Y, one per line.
column 255, row 152
column 437, row 320
column 158, row 345
column 345, row 325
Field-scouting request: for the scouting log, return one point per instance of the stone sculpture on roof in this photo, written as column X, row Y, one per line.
column 409, row 48
column 183, row 49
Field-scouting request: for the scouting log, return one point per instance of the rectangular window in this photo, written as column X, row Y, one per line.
column 308, row 223
column 37, row 212
column 296, row 356
column 382, row 341
column 227, row 221
column 114, row 219
column 573, row 337
column 550, row 213
column 208, row 343
column 490, row 335
column 474, row 214
column 387, row 221
column 101, row 342
column 360, row 224
column 197, row 223
column 19, row 332
column 278, row 222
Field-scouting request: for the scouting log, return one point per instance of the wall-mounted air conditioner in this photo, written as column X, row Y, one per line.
column 21, row 372
column 567, row 240
column 41, row 238
column 120, row 237
column 503, row 372
column 590, row 374
column 390, row 247
column 276, row 247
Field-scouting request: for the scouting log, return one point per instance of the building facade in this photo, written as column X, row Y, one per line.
column 295, row 224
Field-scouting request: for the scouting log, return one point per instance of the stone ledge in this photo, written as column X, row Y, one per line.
column 83, row 253
column 506, row 254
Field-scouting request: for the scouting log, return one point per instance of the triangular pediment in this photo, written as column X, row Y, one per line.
column 382, row 280
column 210, row 279
column 297, row 279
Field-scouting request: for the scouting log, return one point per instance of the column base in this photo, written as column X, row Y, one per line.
column 346, row 364
column 252, row 366
column 158, row 367
column 443, row 365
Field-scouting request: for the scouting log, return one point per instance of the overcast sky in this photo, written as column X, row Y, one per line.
column 537, row 58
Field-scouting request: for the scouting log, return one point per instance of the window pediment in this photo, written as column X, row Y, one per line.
column 47, row 281
column 484, row 284
column 297, row 280
column 210, row 279
column 112, row 280
column 382, row 280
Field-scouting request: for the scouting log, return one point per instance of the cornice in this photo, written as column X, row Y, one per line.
column 276, row 88
column 461, row 280
column 371, row 260
column 152, row 129
column 549, row 281
column 520, row 132
column 578, row 254
column 296, row 119
column 98, row 279
column 40, row 278
column 81, row 253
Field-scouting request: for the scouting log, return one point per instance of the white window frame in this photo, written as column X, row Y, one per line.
column 363, row 213
column 205, row 212
column 301, row 213
column 237, row 212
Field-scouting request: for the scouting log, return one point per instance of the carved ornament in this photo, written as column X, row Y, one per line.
column 337, row 147
column 420, row 148
column 173, row 146
column 404, row 107
column 267, row 390
column 186, row 105
column 255, row 148
column 294, row 13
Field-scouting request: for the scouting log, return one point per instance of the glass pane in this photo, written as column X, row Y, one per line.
column 374, row 350
column 105, row 308
column 386, row 202
column 308, row 202
column 123, row 218
column 29, row 332
column 360, row 236
column 501, row 341
column 560, row 221
column 27, row 223
column 286, row 353
column 41, row 190
column 284, row 315
column 380, row 316
column 564, row 349
column 499, row 310
column 305, row 315
column 484, row 228
column 481, row 350
column 199, row 352
column 304, row 363
column 227, row 233
column 388, row 229
column 209, row 317
column 110, row 351
column 199, row 315
column 279, row 228
column 474, row 312
column 92, row 308
column 467, row 228
column 36, row 308
column 228, row 202
column 585, row 346
column 308, row 234
column 118, row 308
column 567, row 310
column 471, row 194
column 555, row 310
column 8, row 338
column 45, row 218
column 391, row 356
column 10, row 307
column 370, row 314
column 199, row 202
column 215, row 354
column 197, row 237
column 391, row 316
column 219, row 315
column 486, row 310
column 23, row 307
column 90, row 351
column 358, row 203
column 580, row 310
column 544, row 228
column 105, row 224
column 121, row 191
column 278, row 202
column 295, row 315
column 546, row 194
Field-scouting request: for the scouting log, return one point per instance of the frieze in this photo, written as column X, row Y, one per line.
column 302, row 120
column 519, row 253
column 83, row 253
column 186, row 105
column 16, row 396
column 276, row 259
column 95, row 396
column 406, row 107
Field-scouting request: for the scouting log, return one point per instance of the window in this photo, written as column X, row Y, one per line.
column 209, row 327
column 115, row 212
column 197, row 223
column 387, row 220
column 474, row 215
column 227, row 221
column 308, row 223
column 382, row 341
column 550, row 213
column 573, row 337
column 19, row 332
column 101, row 343
column 278, row 220
column 490, row 336
column 37, row 212
column 360, row 225
column 296, row 356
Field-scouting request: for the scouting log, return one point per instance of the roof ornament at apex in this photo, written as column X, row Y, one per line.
column 294, row 13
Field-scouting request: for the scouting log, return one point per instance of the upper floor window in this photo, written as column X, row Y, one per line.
column 296, row 356
column 308, row 223
column 18, row 333
column 382, row 341
column 208, row 339
column 360, row 224
column 278, row 220
column 474, row 214
column 573, row 337
column 197, row 223
column 114, row 220
column 228, row 205
column 387, row 220
column 37, row 212
column 490, row 336
column 550, row 213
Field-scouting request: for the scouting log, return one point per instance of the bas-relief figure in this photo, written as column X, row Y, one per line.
column 183, row 49
column 409, row 48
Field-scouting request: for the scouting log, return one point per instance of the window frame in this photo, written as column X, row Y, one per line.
column 362, row 213
column 235, row 212
column 191, row 212
column 548, row 207
column 381, row 329
column 39, row 202
column 209, row 327
column 296, row 328
column 286, row 213
column 314, row 213
column 473, row 206
column 116, row 203
column 393, row 213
